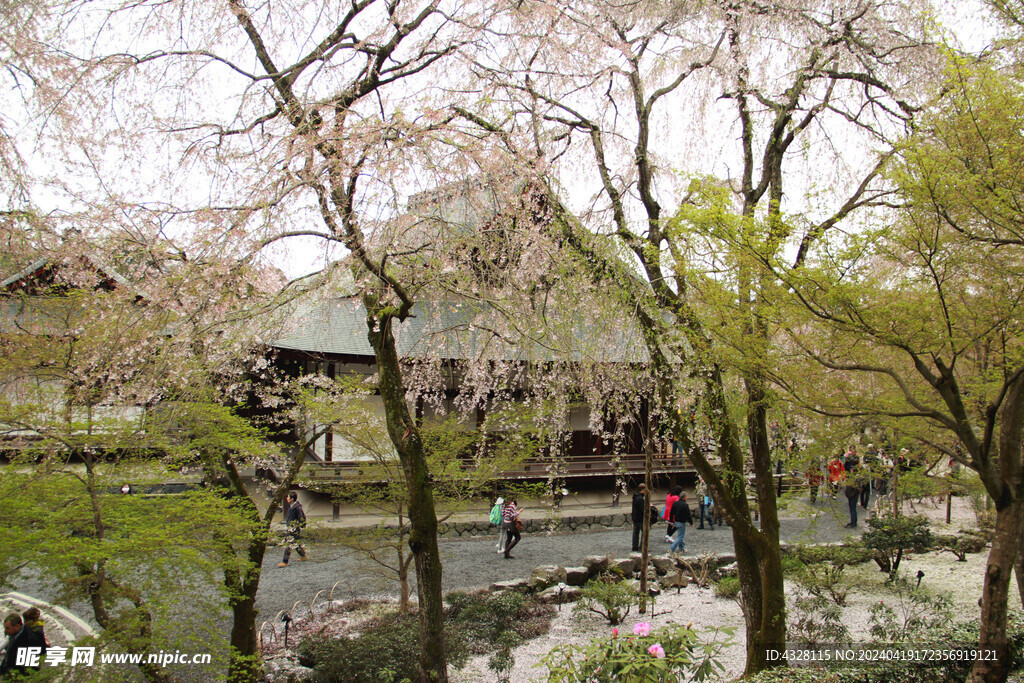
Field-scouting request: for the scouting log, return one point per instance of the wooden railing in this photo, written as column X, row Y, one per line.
column 592, row 465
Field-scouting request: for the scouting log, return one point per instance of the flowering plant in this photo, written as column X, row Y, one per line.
column 672, row 652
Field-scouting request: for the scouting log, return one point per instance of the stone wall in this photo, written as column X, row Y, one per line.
column 575, row 523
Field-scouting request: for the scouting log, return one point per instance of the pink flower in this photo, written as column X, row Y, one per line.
column 615, row 633
column 642, row 629
column 657, row 650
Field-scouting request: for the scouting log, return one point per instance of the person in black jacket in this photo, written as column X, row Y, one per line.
column 639, row 510
column 33, row 620
column 294, row 520
column 21, row 638
column 680, row 516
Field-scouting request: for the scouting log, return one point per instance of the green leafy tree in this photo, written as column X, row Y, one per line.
column 918, row 319
column 82, row 360
column 681, row 251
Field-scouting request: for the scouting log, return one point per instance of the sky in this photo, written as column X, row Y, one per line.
column 157, row 173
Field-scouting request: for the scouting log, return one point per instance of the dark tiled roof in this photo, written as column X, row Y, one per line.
column 444, row 329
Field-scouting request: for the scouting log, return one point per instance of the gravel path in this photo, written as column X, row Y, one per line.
column 474, row 563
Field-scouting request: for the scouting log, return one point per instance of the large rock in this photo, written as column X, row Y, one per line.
column 728, row 570
column 596, row 564
column 285, row 670
column 663, row 565
column 674, row 580
column 518, row 585
column 555, row 595
column 545, row 576
column 576, row 576
column 627, row 565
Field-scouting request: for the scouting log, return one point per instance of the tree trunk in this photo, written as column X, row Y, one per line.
column 244, row 664
column 403, row 571
column 758, row 556
column 771, row 626
column 422, row 516
column 1018, row 569
column 759, row 567
column 646, row 532
column 995, row 593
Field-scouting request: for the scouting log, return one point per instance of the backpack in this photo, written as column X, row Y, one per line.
column 496, row 514
column 300, row 517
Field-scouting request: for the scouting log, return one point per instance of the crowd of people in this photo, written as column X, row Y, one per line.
column 860, row 477
column 676, row 514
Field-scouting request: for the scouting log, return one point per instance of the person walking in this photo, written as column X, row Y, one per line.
column 814, row 479
column 868, row 465
column 666, row 514
column 680, row 516
column 835, row 475
column 639, row 512
column 294, row 521
column 496, row 519
column 855, row 475
column 704, row 504
column 510, row 520
column 852, row 497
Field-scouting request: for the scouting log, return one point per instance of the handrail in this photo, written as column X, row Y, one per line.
column 532, row 467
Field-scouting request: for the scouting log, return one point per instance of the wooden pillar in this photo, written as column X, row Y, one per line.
column 329, row 436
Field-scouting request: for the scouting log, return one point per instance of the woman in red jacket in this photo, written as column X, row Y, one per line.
column 666, row 514
column 836, row 473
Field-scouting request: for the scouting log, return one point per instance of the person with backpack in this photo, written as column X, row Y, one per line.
column 294, row 520
column 495, row 519
column 681, row 516
column 513, row 527
column 33, row 619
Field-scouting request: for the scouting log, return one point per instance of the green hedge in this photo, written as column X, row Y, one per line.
column 387, row 649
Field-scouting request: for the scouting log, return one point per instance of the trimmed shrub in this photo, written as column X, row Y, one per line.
column 611, row 600
column 486, row 621
column 816, row 620
column 819, row 568
column 893, row 537
column 387, row 650
column 908, row 611
column 964, row 543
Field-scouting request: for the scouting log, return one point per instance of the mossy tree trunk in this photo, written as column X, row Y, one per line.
column 758, row 555
column 1004, row 481
column 422, row 516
